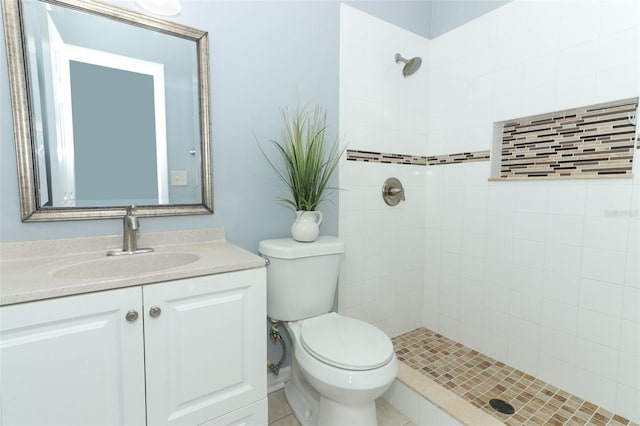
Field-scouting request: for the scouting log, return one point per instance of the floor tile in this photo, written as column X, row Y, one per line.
column 278, row 407
column 280, row 413
column 389, row 416
column 289, row 420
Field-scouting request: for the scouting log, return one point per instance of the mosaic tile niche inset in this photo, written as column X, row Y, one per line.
column 591, row 141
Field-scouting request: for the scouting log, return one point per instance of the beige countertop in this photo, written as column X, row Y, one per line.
column 29, row 270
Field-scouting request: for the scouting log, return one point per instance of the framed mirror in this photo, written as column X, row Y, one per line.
column 110, row 108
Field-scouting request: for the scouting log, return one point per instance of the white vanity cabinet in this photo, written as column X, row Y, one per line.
column 205, row 352
column 73, row 361
column 194, row 355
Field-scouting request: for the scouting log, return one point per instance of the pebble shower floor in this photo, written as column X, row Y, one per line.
column 478, row 378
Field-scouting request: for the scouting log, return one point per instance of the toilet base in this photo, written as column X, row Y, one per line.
column 328, row 412
column 313, row 409
column 305, row 412
column 332, row 413
column 301, row 396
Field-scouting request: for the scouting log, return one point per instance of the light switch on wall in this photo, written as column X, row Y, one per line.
column 179, row 178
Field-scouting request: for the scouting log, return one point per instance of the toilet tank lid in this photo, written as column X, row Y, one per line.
column 288, row 248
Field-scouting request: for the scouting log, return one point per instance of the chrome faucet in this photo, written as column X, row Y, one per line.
column 130, row 225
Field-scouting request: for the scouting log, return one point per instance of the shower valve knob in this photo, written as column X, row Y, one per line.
column 393, row 191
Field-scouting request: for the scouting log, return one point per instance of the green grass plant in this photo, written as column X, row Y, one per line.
column 307, row 161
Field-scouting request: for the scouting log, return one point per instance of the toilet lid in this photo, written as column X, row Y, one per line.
column 346, row 342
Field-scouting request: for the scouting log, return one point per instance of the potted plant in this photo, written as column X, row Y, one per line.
column 306, row 164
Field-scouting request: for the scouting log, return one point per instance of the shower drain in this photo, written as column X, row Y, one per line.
column 502, row 406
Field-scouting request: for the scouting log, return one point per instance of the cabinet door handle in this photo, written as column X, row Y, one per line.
column 154, row 311
column 132, row 315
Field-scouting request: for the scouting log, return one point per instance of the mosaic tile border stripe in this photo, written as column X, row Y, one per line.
column 477, row 378
column 463, row 157
column 590, row 141
column 434, row 160
column 381, row 157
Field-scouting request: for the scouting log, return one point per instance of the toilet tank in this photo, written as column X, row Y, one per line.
column 301, row 277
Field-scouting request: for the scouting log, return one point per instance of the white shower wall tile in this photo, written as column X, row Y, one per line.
column 547, row 242
column 567, row 199
column 630, row 337
column 473, row 267
column 524, row 332
column 495, row 298
column 594, row 387
column 614, row 83
column 557, row 370
column 618, row 49
column 495, row 345
column 603, row 265
column 608, row 199
column 601, row 296
column 629, row 370
column 560, row 316
column 632, row 272
column 596, row 358
column 531, row 197
column 627, row 401
column 563, row 258
column 383, row 281
column 558, row 344
column 561, row 286
column 633, row 245
column 536, row 99
column 505, row 267
column 525, row 307
column 619, row 15
column 599, row 328
column 529, row 226
column 524, row 356
column 631, row 304
column 565, row 229
column 528, row 253
column 395, row 116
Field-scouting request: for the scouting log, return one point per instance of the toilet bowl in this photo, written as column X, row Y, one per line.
column 350, row 364
column 340, row 365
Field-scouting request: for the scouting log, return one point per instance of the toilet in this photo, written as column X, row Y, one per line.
column 339, row 365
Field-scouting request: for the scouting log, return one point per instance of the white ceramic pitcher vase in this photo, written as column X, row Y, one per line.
column 306, row 227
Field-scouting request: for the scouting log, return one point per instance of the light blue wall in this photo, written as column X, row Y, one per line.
column 263, row 55
column 449, row 14
column 412, row 15
column 428, row 18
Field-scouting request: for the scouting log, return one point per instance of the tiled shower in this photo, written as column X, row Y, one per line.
column 541, row 274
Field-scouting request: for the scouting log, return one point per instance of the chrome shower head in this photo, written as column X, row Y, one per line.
column 410, row 65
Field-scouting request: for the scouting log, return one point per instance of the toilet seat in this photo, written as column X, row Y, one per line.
column 346, row 343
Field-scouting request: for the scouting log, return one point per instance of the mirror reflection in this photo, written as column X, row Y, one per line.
column 118, row 111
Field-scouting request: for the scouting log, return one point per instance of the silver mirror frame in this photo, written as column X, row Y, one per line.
column 15, row 41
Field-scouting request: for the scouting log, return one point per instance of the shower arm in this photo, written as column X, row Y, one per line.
column 399, row 59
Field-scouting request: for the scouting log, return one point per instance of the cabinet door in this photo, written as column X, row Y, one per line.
column 205, row 351
column 251, row 415
column 73, row 361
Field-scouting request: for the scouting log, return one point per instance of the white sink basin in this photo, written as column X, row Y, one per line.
column 122, row 266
